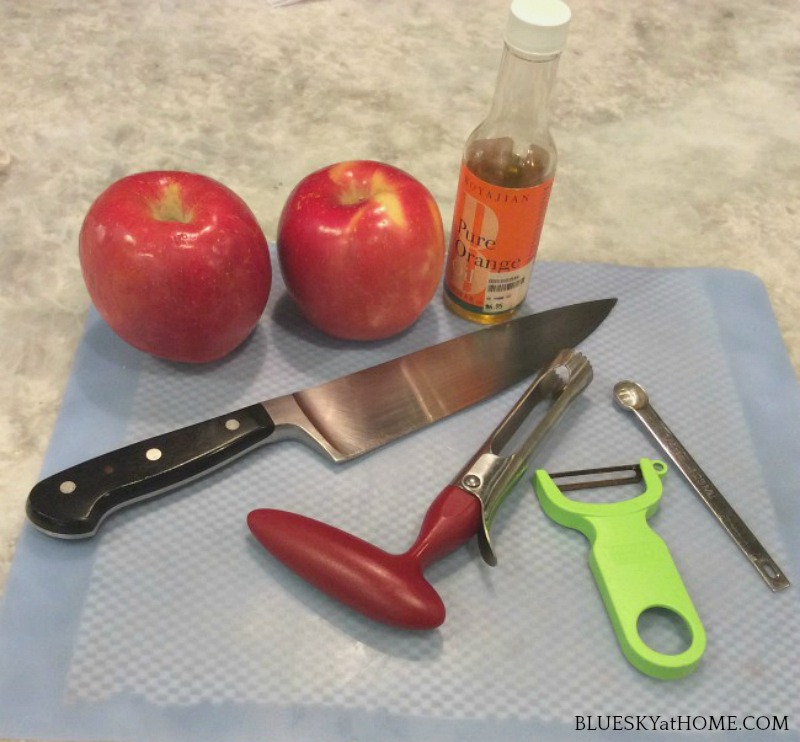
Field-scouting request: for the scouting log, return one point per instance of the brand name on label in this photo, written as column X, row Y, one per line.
column 486, row 193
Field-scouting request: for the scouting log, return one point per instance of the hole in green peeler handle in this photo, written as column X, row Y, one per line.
column 664, row 631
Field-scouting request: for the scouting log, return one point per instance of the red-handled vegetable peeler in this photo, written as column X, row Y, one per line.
column 391, row 588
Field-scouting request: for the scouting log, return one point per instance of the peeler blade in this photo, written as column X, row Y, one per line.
column 492, row 473
column 631, row 474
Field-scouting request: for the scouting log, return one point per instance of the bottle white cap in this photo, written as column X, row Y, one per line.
column 538, row 27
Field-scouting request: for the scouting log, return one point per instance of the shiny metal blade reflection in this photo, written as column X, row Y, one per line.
column 367, row 409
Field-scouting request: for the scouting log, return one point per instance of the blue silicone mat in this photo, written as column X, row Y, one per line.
column 174, row 625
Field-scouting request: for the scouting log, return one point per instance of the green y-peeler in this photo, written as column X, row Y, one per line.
column 630, row 563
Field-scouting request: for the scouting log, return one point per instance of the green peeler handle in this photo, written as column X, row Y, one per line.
column 633, row 569
column 636, row 573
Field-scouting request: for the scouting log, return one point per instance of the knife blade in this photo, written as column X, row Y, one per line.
column 343, row 418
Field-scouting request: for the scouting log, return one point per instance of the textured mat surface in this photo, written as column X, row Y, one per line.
column 175, row 625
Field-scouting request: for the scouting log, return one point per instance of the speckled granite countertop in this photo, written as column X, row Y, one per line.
column 678, row 131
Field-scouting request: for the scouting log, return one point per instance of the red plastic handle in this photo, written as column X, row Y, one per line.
column 389, row 588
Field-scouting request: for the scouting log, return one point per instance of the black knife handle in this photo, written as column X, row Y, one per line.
column 74, row 502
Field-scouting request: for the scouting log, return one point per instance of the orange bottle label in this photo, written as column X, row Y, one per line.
column 493, row 243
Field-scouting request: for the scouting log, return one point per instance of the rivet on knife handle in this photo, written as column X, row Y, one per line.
column 632, row 397
column 74, row 502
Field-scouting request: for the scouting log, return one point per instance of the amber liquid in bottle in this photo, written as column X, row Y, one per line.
column 497, row 161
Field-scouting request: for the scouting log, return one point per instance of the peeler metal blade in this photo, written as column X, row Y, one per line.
column 492, row 472
column 582, row 479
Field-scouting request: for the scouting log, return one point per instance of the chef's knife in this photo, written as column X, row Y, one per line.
column 343, row 418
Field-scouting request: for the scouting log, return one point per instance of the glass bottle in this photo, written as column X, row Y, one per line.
column 507, row 172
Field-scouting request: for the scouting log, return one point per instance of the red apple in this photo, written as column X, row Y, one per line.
column 176, row 264
column 361, row 249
